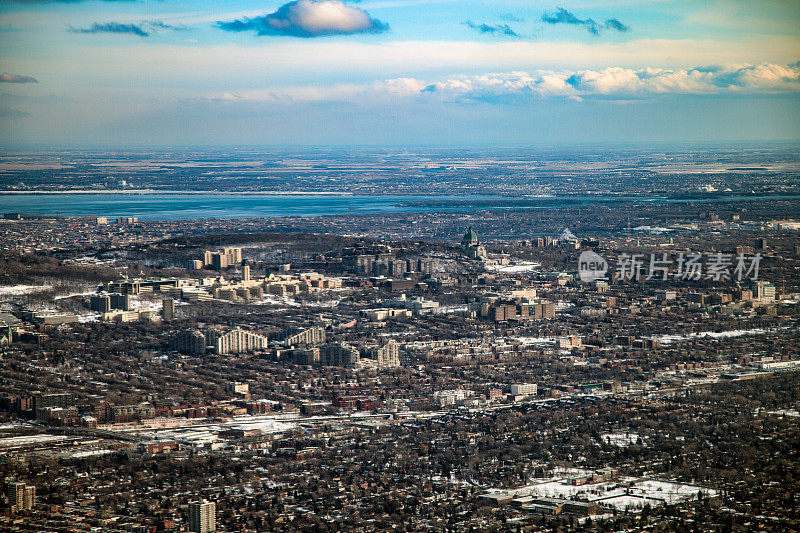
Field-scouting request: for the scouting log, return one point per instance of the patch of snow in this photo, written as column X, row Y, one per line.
column 19, row 290
column 620, row 440
column 72, row 295
column 521, row 266
column 29, row 439
column 785, row 412
column 536, row 340
column 90, row 453
column 668, row 339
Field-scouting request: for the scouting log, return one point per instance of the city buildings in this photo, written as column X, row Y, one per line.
column 339, row 354
column 763, row 292
column 100, row 303
column 21, row 496
column 355, row 390
column 222, row 259
column 448, row 398
column 6, row 333
column 120, row 301
column 202, row 517
column 190, row 342
column 235, row 341
column 168, row 308
column 386, row 356
column 524, row 389
column 471, row 247
column 311, row 336
column 195, row 342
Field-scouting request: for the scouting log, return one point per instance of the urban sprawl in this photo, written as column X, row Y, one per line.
column 476, row 370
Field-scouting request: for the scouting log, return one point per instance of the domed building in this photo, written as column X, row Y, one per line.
column 471, row 247
column 470, row 238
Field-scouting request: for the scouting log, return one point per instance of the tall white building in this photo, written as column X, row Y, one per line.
column 202, row 517
column 168, row 308
column 236, row 341
column 21, row 497
column 386, row 356
column 310, row 336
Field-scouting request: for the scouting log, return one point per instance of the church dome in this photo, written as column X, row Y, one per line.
column 470, row 238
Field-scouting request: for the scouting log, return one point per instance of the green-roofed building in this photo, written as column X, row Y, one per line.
column 470, row 238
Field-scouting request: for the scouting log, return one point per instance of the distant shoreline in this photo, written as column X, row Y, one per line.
column 165, row 191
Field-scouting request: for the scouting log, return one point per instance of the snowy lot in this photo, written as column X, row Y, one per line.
column 90, row 453
column 668, row 339
column 29, row 439
column 17, row 290
column 291, row 302
column 536, row 340
column 620, row 440
column 517, row 267
column 208, row 432
column 785, row 412
column 621, row 494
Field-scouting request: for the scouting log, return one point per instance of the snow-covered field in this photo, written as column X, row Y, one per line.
column 785, row 412
column 29, row 439
column 190, row 431
column 518, row 267
column 291, row 302
column 620, row 440
column 73, row 294
column 19, row 290
column 624, row 502
column 555, row 489
column 536, row 340
column 667, row 339
column 450, row 309
column 668, row 491
column 90, row 453
column 621, row 494
column 13, row 425
column 265, row 425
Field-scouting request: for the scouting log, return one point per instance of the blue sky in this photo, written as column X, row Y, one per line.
column 432, row 72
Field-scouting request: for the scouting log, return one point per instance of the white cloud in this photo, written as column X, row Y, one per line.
column 380, row 90
column 309, row 18
column 764, row 78
column 404, row 58
column 513, row 87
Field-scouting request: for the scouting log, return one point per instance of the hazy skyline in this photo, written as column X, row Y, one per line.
column 312, row 72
